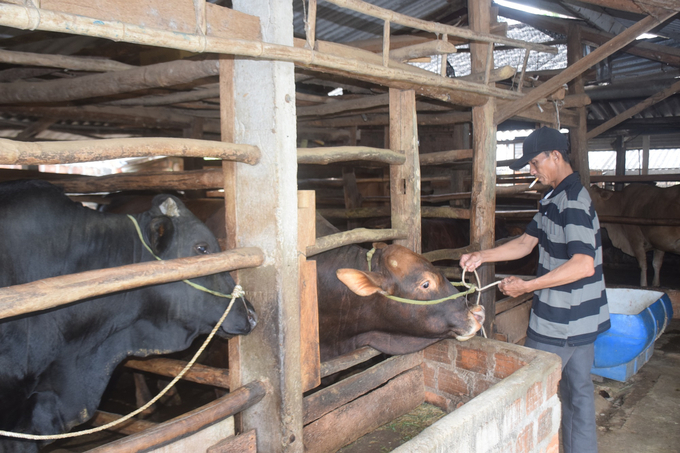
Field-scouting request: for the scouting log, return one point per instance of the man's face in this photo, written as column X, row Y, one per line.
column 544, row 167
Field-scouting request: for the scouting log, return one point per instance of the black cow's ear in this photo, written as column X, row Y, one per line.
column 361, row 283
column 161, row 231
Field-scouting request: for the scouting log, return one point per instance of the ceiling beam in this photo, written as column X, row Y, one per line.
column 655, row 52
column 651, row 7
column 507, row 110
column 621, row 117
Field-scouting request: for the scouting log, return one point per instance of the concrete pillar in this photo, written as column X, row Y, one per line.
column 266, row 216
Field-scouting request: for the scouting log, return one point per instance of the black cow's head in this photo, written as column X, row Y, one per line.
column 172, row 231
column 398, row 271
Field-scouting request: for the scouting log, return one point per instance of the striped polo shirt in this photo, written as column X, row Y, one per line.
column 565, row 225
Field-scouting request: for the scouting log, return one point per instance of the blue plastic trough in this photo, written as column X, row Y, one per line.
column 638, row 318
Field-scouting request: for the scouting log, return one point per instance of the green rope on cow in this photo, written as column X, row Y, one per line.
column 471, row 288
column 188, row 282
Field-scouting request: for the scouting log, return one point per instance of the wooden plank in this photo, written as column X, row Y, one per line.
column 160, row 180
column 34, row 153
column 514, row 322
column 445, row 157
column 110, row 83
column 330, row 398
column 189, row 423
column 511, row 302
column 52, row 292
column 348, row 360
column 346, row 424
column 309, row 309
column 355, row 236
column 198, row 373
column 175, row 15
column 62, row 61
column 243, row 443
column 405, row 179
column 328, row 155
column 131, row 426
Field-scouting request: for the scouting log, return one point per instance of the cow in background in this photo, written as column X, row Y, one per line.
column 55, row 364
column 644, row 202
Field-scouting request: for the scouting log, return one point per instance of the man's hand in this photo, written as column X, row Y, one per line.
column 471, row 261
column 513, row 286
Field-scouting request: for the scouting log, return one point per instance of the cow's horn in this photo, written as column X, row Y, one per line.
column 169, row 208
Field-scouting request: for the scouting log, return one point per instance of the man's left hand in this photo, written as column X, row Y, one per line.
column 513, row 286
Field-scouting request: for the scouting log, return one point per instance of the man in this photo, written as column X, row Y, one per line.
column 569, row 308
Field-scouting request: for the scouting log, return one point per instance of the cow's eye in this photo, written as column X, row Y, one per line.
column 202, row 249
column 425, row 285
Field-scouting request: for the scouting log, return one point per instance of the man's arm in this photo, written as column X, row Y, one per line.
column 577, row 267
column 511, row 250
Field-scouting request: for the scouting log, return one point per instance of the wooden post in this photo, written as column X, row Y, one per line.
column 405, row 179
column 577, row 135
column 266, row 213
column 309, row 308
column 645, row 154
column 483, row 202
column 620, row 147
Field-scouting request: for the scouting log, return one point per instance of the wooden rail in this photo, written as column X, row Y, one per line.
column 355, row 236
column 53, row 292
column 328, row 155
column 201, row 374
column 434, row 27
column 41, row 153
column 348, row 360
column 16, row 16
column 179, row 427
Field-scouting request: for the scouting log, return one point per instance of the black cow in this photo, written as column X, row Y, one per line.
column 55, row 365
column 354, row 312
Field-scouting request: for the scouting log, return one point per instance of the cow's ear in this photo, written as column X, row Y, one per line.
column 161, row 231
column 379, row 245
column 361, row 283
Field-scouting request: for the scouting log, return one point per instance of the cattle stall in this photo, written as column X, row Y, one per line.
column 271, row 368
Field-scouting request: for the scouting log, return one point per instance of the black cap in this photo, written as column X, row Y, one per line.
column 543, row 139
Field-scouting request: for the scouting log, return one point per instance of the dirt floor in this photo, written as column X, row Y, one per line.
column 643, row 414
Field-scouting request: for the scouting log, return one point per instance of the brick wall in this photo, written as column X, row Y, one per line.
column 502, row 398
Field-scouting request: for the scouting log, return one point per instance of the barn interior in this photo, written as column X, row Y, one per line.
column 394, row 120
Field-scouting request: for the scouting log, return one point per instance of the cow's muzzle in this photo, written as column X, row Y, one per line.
column 476, row 316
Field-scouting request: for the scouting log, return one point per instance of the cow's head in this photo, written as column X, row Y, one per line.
column 397, row 271
column 172, row 231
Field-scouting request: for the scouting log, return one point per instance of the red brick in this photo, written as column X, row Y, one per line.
column 439, row 352
column 534, row 397
column 481, row 384
column 472, row 360
column 525, row 440
column 506, row 365
column 428, row 376
column 441, row 402
column 451, row 383
column 554, row 446
column 544, row 424
column 553, row 382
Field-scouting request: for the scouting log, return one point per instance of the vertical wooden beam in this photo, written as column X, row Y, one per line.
column 266, row 211
column 483, row 202
column 309, row 308
column 310, row 25
column 620, row 147
column 577, row 135
column 645, row 154
column 405, row 179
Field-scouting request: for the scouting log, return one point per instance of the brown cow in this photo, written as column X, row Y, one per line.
column 645, row 202
column 354, row 311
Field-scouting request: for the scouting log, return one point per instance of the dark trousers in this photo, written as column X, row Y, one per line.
column 579, row 431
